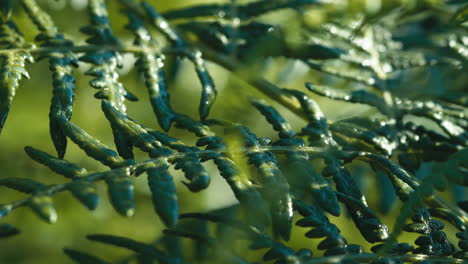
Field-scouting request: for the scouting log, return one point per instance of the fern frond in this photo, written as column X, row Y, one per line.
column 61, row 66
column 12, row 67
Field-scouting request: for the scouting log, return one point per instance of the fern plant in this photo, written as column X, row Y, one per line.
column 298, row 178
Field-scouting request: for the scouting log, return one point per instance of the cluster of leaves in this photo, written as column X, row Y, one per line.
column 303, row 172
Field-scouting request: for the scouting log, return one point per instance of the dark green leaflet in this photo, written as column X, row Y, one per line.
column 461, row 16
column 63, row 96
column 250, row 200
column 371, row 228
column 222, row 255
column 248, row 196
column 61, row 65
column 433, row 241
column 298, row 164
column 133, row 245
column 274, row 118
column 164, row 194
column 7, row 230
column 105, row 63
column 5, row 9
column 90, row 145
column 133, row 132
column 43, row 206
column 362, row 134
column 12, row 70
column 208, row 87
column 12, row 66
column 60, row 166
column 24, row 185
column 86, row 193
column 189, row 163
column 152, row 68
column 358, row 96
column 120, row 188
column 83, row 258
column 317, row 130
column 334, row 243
column 275, row 187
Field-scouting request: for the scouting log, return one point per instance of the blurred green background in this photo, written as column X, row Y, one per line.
column 27, row 125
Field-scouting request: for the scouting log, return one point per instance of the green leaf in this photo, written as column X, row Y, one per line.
column 120, row 191
column 24, row 185
column 11, row 72
column 63, row 96
column 164, row 194
column 43, row 206
column 7, row 230
column 5, row 9
column 461, row 16
column 90, row 145
column 131, row 244
column 60, row 166
column 86, row 193
column 274, row 118
column 209, row 91
column 82, row 258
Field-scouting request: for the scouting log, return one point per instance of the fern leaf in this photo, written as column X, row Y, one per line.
column 43, row 206
column 208, row 87
column 274, row 118
column 24, row 185
column 7, row 230
column 189, row 162
column 132, row 131
column 298, row 164
column 105, row 64
column 274, row 186
column 59, row 166
column 371, row 228
column 121, row 192
column 83, row 258
column 12, row 67
column 86, row 193
column 151, row 67
column 90, row 145
column 164, row 194
column 133, row 245
column 61, row 67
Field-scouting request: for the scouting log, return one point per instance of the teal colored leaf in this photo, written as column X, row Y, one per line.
column 86, row 193
column 7, row 230
column 157, row 88
column 24, row 185
column 131, row 244
column 63, row 82
column 5, row 9
column 11, row 72
column 164, row 194
column 274, row 118
column 90, row 145
column 83, row 258
column 43, row 206
column 120, row 188
column 209, row 91
column 461, row 16
column 275, row 187
column 135, row 133
column 60, row 166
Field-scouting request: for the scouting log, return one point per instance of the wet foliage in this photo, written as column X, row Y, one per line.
column 292, row 180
